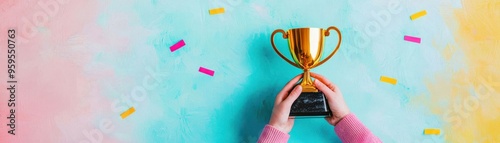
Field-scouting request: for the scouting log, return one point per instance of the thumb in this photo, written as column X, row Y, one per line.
column 293, row 96
column 327, row 91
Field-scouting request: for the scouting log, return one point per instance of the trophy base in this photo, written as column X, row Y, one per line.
column 310, row 104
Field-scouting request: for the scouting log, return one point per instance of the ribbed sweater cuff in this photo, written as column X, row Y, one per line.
column 273, row 135
column 350, row 129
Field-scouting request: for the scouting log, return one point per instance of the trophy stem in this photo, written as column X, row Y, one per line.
column 307, row 84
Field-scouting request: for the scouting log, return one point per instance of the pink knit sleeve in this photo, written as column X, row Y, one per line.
column 351, row 130
column 273, row 135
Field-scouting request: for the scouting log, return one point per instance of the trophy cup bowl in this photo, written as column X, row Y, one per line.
column 306, row 49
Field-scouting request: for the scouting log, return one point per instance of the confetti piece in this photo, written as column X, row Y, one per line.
column 388, row 80
column 128, row 112
column 216, row 11
column 418, row 15
column 432, row 131
column 206, row 71
column 412, row 39
column 177, row 45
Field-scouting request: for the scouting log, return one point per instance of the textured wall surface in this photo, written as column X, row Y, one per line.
column 82, row 63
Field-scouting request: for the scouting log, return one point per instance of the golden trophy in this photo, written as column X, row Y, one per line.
column 306, row 48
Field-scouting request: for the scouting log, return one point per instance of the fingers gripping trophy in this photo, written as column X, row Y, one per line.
column 306, row 49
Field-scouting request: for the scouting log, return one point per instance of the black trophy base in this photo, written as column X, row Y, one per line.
column 310, row 104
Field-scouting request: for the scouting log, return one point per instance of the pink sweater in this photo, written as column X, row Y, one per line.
column 349, row 130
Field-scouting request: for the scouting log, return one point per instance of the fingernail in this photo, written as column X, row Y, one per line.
column 297, row 88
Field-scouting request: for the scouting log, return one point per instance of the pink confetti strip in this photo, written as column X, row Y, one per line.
column 206, row 71
column 412, row 39
column 177, row 45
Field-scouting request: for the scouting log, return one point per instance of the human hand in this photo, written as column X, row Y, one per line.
column 282, row 105
column 334, row 96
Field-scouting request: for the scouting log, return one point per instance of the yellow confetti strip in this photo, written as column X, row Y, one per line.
column 418, row 15
column 388, row 80
column 432, row 131
column 128, row 112
column 216, row 11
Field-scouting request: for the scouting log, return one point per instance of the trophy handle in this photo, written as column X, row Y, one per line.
column 327, row 33
column 285, row 36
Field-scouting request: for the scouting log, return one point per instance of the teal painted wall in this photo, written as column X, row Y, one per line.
column 235, row 104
